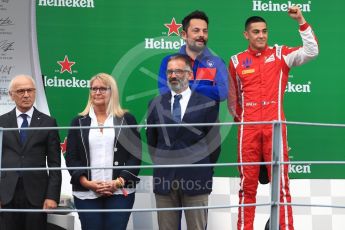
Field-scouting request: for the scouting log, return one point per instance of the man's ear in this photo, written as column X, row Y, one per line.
column 245, row 34
column 11, row 95
column 191, row 75
column 184, row 35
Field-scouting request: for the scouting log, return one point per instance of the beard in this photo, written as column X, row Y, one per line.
column 197, row 48
column 176, row 84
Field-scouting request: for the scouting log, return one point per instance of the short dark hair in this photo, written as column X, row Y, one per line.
column 253, row 19
column 194, row 15
column 182, row 57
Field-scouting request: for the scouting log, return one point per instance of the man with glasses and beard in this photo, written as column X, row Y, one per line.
column 186, row 186
column 210, row 75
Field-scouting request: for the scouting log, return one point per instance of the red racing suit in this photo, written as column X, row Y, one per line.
column 257, row 85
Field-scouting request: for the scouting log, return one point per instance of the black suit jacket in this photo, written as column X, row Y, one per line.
column 184, row 145
column 128, row 150
column 41, row 149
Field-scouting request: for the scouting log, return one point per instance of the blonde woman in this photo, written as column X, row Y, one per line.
column 103, row 147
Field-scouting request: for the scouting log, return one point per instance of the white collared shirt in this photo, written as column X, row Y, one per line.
column 183, row 101
column 20, row 119
column 101, row 146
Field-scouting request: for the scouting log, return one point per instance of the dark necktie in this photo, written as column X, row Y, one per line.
column 25, row 124
column 176, row 112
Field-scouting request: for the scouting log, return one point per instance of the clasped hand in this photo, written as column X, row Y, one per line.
column 104, row 188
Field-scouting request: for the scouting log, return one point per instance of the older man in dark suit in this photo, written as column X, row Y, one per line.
column 28, row 149
column 182, row 187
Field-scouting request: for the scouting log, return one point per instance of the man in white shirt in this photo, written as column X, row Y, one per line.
column 28, row 149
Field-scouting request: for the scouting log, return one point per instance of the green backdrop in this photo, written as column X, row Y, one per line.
column 124, row 38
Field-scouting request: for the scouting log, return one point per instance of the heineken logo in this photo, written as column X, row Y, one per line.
column 167, row 42
column 298, row 88
column 173, row 27
column 63, row 146
column 153, row 43
column 71, row 82
column 300, row 169
column 66, row 65
column 272, row 6
column 67, row 3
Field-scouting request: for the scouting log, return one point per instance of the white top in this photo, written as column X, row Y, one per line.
column 101, row 147
column 183, row 101
column 20, row 119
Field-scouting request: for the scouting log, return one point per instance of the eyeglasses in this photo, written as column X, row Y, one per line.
column 177, row 72
column 102, row 90
column 21, row 92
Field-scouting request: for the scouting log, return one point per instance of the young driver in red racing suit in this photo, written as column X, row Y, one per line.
column 258, row 80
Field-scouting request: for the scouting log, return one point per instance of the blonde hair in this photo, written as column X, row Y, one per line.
column 114, row 106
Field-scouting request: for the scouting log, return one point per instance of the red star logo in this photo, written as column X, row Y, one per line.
column 173, row 27
column 66, row 65
column 63, row 146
